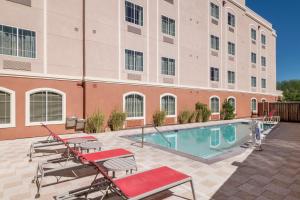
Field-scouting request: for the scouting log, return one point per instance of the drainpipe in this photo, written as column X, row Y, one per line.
column 83, row 62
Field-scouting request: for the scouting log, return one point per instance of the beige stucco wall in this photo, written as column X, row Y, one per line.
column 107, row 38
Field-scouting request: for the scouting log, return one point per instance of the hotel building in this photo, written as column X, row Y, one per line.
column 74, row 57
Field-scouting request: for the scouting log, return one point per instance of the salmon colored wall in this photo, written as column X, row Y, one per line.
column 21, row 86
column 106, row 97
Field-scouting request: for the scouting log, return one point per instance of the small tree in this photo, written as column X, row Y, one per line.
column 184, row 117
column 227, row 111
column 159, row 118
column 94, row 123
column 203, row 113
column 116, row 120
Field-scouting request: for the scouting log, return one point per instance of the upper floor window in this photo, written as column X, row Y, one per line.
column 253, row 81
column 168, row 104
column 214, row 42
column 253, row 34
column 214, row 10
column 45, row 105
column 263, row 61
column 231, row 77
column 231, row 48
column 263, row 39
column 134, row 13
column 263, row 83
column 253, row 58
column 134, row 105
column 134, row 60
column 168, row 25
column 214, row 74
column 7, row 104
column 17, row 42
column 215, row 105
column 231, row 19
column 168, row 66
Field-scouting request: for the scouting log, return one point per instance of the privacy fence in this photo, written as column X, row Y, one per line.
column 288, row 111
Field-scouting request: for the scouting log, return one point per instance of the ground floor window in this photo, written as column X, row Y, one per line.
column 134, row 105
column 168, row 104
column 46, row 105
column 253, row 105
column 7, row 104
column 232, row 102
column 215, row 105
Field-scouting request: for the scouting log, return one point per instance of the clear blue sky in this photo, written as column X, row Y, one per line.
column 285, row 17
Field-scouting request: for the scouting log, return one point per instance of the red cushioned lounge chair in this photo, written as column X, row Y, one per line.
column 77, row 166
column 133, row 187
column 54, row 144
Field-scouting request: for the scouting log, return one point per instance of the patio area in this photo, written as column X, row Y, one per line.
column 271, row 174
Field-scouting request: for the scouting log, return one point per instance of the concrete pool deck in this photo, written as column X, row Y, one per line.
column 16, row 172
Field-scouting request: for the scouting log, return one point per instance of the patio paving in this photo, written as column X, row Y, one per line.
column 278, row 168
column 272, row 174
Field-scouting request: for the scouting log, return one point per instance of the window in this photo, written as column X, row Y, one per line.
column 231, row 77
column 134, row 105
column 214, row 74
column 253, row 105
column 17, row 42
column 253, row 58
column 253, row 81
column 253, row 34
column 263, row 83
column 168, row 104
column 168, row 66
column 214, row 42
column 168, row 25
column 263, row 39
column 231, row 100
column 215, row 105
column 134, row 13
column 231, row 48
column 214, row 10
column 45, row 105
column 263, row 61
column 7, row 108
column 231, row 19
column 134, row 60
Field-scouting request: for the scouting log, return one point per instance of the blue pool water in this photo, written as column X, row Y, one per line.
column 203, row 142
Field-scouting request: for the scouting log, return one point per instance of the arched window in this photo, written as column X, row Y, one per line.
column 134, row 105
column 168, row 104
column 215, row 105
column 232, row 102
column 253, row 105
column 45, row 105
column 7, row 108
column 263, row 100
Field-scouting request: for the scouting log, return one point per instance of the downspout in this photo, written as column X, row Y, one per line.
column 83, row 62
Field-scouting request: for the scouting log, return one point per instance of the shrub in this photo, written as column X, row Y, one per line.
column 203, row 113
column 192, row 118
column 227, row 111
column 159, row 118
column 116, row 120
column 184, row 117
column 94, row 123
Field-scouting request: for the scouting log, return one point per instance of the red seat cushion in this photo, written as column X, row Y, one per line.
column 89, row 137
column 141, row 183
column 104, row 155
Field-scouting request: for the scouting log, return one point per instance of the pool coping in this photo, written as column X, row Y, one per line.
column 225, row 155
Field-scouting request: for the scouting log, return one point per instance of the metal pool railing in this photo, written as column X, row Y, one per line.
column 157, row 131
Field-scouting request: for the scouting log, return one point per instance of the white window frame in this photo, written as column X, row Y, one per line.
column 255, row 111
column 27, row 107
column 232, row 97
column 144, row 106
column 214, row 113
column 12, row 108
column 215, row 130
column 172, row 95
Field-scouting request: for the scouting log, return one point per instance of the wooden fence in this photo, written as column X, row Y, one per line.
column 288, row 112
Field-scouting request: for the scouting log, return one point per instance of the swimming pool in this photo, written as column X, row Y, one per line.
column 203, row 142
